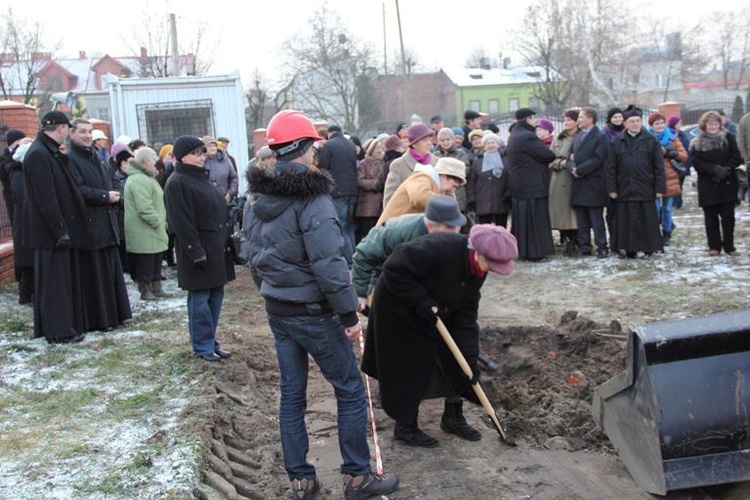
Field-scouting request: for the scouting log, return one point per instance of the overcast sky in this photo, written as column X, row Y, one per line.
column 250, row 33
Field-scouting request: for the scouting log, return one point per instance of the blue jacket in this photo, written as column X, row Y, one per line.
column 296, row 247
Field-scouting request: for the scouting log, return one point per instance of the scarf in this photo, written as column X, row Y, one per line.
column 474, row 265
column 423, row 159
column 665, row 137
column 493, row 162
column 707, row 142
column 430, row 170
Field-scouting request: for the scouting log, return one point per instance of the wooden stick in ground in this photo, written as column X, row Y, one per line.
column 467, row 371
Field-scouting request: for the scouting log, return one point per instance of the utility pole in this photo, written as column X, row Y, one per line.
column 175, row 51
column 385, row 45
column 407, row 92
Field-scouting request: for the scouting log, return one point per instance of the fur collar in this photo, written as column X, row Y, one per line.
column 289, row 180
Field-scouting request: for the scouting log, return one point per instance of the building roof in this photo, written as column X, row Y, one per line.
column 477, row 77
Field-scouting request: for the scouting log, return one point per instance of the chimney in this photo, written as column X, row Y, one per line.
column 484, row 62
column 144, row 53
column 81, row 54
column 506, row 62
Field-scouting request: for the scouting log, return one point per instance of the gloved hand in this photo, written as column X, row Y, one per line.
column 720, row 173
column 427, row 311
column 63, row 241
column 200, row 263
column 671, row 154
column 474, row 365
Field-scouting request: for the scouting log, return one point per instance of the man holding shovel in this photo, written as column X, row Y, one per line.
column 435, row 276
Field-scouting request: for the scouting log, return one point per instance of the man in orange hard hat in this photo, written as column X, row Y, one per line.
column 297, row 262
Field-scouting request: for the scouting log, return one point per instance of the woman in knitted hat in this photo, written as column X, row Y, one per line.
column 487, row 185
column 370, row 181
column 544, row 129
column 562, row 216
column 435, row 275
column 420, row 143
column 715, row 156
column 145, row 223
column 614, row 124
column 672, row 149
column 121, row 161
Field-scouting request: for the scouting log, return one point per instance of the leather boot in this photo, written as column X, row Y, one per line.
column 412, row 435
column 454, row 422
column 666, row 237
column 145, row 289
column 157, row 290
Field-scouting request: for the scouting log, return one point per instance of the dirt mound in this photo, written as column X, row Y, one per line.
column 546, row 379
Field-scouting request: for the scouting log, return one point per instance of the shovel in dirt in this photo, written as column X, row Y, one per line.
column 477, row 388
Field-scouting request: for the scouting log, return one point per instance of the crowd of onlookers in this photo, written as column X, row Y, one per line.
column 618, row 183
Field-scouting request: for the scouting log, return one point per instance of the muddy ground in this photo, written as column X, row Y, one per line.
column 557, row 330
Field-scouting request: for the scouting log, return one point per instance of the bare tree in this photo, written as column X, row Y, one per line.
column 23, row 56
column 481, row 58
column 151, row 42
column 328, row 66
column 257, row 97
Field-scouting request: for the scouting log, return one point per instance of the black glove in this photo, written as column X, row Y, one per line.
column 474, row 372
column 472, row 206
column 63, row 241
column 721, row 173
column 426, row 313
column 200, row 263
column 671, row 154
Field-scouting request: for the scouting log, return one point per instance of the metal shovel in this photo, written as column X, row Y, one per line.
column 461, row 360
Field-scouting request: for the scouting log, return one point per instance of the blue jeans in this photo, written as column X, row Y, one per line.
column 664, row 209
column 204, row 307
column 345, row 206
column 323, row 338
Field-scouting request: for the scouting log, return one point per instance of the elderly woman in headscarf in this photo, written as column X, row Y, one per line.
column 487, row 185
column 145, row 222
column 715, row 157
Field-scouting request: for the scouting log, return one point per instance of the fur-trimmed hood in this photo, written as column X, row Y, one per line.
column 275, row 189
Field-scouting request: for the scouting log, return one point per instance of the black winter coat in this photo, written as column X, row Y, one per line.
column 528, row 162
column 339, row 157
column 23, row 256
column 635, row 167
column 197, row 214
column 402, row 349
column 589, row 152
column 94, row 180
column 53, row 205
column 488, row 193
column 711, row 189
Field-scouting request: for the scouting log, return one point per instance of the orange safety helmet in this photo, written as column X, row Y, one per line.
column 288, row 126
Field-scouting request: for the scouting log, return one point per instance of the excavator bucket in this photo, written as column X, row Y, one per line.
column 679, row 415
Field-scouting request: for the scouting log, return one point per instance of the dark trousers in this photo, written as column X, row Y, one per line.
column 589, row 218
column 25, row 278
column 496, row 219
column 720, row 233
column 146, row 266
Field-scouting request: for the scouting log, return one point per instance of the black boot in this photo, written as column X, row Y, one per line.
column 666, row 236
column 411, row 434
column 454, row 422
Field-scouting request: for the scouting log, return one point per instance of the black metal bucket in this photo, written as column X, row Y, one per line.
column 679, row 415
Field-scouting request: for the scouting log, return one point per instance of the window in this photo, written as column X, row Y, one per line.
column 493, row 106
column 158, row 123
column 475, row 105
column 513, row 104
column 534, row 103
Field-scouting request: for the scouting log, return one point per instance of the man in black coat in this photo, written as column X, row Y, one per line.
column 339, row 157
column 589, row 194
column 54, row 225
column 106, row 302
column 197, row 214
column 528, row 162
column 635, row 178
column 435, row 275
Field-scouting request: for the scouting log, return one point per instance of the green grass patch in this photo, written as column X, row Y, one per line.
column 13, row 322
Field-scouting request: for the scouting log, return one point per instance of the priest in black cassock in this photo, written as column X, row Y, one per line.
column 54, row 226
column 106, row 303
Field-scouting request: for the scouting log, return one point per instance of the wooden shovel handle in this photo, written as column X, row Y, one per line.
column 467, row 371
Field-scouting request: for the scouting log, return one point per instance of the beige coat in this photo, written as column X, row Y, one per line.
column 561, row 215
column 411, row 196
column 401, row 168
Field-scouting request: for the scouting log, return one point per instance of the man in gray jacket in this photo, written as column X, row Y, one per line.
column 296, row 260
